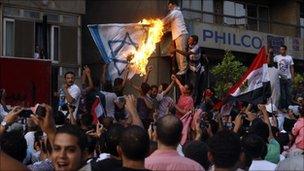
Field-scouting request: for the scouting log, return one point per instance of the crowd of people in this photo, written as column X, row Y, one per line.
column 107, row 130
column 99, row 127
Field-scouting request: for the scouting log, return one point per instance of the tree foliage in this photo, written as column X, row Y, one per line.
column 297, row 80
column 227, row 73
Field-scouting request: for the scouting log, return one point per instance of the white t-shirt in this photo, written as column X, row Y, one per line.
column 262, row 165
column 75, row 92
column 284, row 63
column 194, row 63
column 110, row 106
column 176, row 19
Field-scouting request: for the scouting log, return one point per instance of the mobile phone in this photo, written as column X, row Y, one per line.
column 121, row 99
column 25, row 113
column 40, row 111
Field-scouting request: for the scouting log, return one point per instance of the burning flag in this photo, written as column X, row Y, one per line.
column 123, row 44
column 254, row 85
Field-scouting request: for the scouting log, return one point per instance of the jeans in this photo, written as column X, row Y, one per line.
column 285, row 88
column 193, row 78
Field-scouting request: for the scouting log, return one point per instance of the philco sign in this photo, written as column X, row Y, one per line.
column 242, row 40
column 245, row 41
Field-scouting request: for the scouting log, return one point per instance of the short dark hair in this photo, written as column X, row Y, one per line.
column 164, row 86
column 45, row 147
column 145, row 88
column 59, row 118
column 190, row 87
column 76, row 132
column 69, row 72
column 195, row 38
column 107, row 86
column 154, row 86
column 91, row 144
column 13, row 144
column 283, row 140
column 118, row 81
column 135, row 143
column 112, row 138
column 284, row 46
column 254, row 146
column 87, row 119
column 259, row 128
column 225, row 148
column 174, row 2
column 169, row 130
column 197, row 151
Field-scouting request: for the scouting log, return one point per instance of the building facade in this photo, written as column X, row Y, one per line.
column 240, row 26
column 243, row 27
column 54, row 26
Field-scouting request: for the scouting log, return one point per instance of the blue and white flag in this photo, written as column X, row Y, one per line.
column 116, row 42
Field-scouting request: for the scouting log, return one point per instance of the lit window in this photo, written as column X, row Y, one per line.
column 236, row 11
column 8, row 37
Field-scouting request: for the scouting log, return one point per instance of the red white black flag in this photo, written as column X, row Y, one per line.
column 254, row 85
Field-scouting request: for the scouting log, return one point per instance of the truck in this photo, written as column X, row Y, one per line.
column 26, row 81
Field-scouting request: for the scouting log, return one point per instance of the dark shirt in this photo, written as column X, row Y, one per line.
column 129, row 169
column 107, row 164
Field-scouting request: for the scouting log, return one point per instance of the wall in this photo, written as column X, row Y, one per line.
column 1, row 28
column 69, row 6
column 285, row 12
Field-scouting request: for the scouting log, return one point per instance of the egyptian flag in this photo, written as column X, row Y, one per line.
column 97, row 110
column 254, row 85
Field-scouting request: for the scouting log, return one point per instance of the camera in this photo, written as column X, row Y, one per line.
column 40, row 111
column 26, row 113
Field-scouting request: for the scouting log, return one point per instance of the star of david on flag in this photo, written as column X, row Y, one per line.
column 115, row 42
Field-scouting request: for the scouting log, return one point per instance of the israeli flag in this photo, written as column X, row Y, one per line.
column 116, row 42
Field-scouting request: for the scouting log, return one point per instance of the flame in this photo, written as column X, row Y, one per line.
column 155, row 32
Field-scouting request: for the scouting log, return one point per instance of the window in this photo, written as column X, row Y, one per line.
column 302, row 19
column 55, row 43
column 70, row 20
column 31, row 14
column 236, row 11
column 263, row 21
column 257, row 18
column 39, row 39
column 252, row 22
column 8, row 37
column 302, row 26
column 208, row 7
column 11, row 12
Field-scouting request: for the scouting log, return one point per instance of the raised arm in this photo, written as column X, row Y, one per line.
column 168, row 88
column 131, row 108
column 47, row 123
column 125, row 78
column 184, row 53
column 146, row 78
column 87, row 73
column 181, row 87
column 266, row 118
column 136, row 87
column 10, row 118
